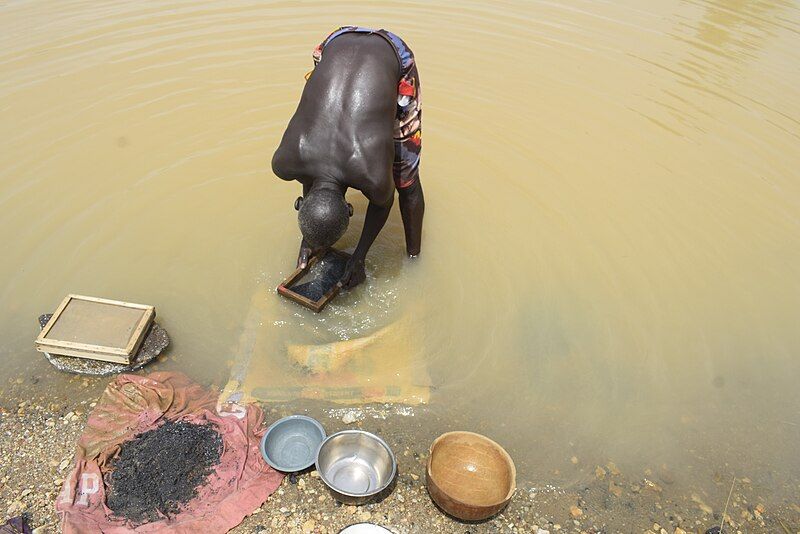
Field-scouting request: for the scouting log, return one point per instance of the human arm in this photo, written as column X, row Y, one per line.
column 373, row 224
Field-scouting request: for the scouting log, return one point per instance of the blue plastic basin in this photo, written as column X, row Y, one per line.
column 290, row 444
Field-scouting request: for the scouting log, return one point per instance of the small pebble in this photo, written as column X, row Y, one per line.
column 600, row 473
column 364, row 516
column 349, row 418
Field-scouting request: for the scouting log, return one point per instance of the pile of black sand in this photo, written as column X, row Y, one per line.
column 325, row 274
column 160, row 470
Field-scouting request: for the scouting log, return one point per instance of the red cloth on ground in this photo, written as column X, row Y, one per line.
column 133, row 404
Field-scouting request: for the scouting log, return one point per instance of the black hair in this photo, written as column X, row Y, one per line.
column 323, row 216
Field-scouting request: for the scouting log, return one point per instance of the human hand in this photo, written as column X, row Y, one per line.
column 306, row 253
column 354, row 273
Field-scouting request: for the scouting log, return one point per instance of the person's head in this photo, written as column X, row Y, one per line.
column 323, row 216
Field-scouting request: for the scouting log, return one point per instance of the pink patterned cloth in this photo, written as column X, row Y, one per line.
column 133, row 404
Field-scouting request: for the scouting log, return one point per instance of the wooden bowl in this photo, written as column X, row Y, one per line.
column 470, row 476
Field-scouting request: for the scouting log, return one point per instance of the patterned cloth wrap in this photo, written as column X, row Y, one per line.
column 408, row 120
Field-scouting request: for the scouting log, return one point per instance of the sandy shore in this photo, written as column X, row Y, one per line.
column 37, row 440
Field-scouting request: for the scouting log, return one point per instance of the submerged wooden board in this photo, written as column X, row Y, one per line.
column 288, row 287
column 95, row 328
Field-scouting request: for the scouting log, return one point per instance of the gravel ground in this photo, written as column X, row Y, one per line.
column 37, row 440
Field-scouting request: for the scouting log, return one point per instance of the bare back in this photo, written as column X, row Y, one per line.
column 342, row 128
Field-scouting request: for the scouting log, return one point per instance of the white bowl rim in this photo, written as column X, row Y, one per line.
column 378, row 528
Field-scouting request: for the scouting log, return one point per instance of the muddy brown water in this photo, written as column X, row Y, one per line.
column 611, row 258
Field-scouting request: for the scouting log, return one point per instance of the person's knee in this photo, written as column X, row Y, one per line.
column 411, row 193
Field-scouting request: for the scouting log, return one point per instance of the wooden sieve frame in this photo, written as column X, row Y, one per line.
column 96, row 352
column 314, row 305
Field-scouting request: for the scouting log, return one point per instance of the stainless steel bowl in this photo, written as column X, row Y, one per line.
column 357, row 466
column 290, row 444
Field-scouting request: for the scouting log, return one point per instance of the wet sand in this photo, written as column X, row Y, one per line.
column 37, row 439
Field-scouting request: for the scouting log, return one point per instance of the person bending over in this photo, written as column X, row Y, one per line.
column 358, row 124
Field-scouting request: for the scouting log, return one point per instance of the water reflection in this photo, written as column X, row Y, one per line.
column 706, row 62
column 739, row 26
